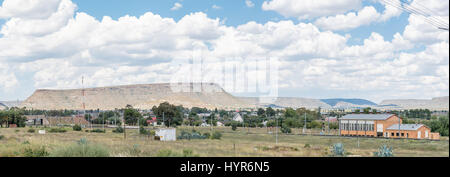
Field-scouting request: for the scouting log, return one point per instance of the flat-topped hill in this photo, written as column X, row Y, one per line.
column 143, row 96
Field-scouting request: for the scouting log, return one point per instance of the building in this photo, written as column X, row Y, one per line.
column 415, row 131
column 382, row 125
column 238, row 118
column 166, row 134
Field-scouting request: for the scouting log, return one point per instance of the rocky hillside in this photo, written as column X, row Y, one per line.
column 440, row 103
column 139, row 96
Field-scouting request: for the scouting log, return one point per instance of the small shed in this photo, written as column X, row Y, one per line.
column 166, row 134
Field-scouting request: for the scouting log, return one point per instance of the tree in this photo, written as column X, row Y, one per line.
column 131, row 115
column 170, row 114
column 270, row 112
column 261, row 112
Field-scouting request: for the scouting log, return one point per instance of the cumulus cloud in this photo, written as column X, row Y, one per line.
column 176, row 6
column 350, row 20
column 307, row 9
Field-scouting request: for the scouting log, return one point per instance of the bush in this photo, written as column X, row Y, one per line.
column 31, row 130
column 2, row 137
column 338, row 150
column 286, row 130
column 384, row 151
column 234, row 127
column 57, row 130
column 193, row 135
column 118, row 130
column 35, row 152
column 76, row 128
column 216, row 136
column 307, row 146
column 98, row 131
column 143, row 131
column 170, row 153
column 16, row 130
column 82, row 149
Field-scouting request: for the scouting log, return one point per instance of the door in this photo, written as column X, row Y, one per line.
column 426, row 134
column 419, row 135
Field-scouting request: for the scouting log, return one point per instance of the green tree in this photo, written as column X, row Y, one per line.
column 131, row 115
column 170, row 114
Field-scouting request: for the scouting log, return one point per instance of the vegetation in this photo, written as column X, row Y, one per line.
column 57, row 130
column 31, row 130
column 384, row 151
column 170, row 153
column 12, row 116
column 171, row 115
column 131, row 115
column 338, row 150
column 35, row 152
column 286, row 130
column 76, row 128
column 118, row 130
column 82, row 149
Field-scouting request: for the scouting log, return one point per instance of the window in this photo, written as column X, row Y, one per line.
column 392, row 134
column 403, row 134
column 397, row 134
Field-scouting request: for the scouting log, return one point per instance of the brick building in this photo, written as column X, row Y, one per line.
column 382, row 125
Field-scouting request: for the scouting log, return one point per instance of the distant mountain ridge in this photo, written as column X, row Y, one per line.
column 354, row 101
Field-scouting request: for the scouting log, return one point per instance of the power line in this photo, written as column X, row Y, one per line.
column 427, row 16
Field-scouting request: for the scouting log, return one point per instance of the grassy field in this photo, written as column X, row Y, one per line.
column 241, row 143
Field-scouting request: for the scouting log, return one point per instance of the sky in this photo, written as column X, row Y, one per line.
column 320, row 49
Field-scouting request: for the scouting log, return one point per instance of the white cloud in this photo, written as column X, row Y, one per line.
column 34, row 9
column 307, row 9
column 249, row 3
column 176, row 6
column 350, row 20
column 8, row 78
column 216, row 7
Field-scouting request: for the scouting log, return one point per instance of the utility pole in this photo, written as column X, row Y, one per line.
column 163, row 120
column 399, row 127
column 304, row 126
column 276, row 132
column 124, row 127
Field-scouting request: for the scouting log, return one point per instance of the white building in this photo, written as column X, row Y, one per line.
column 167, row 134
column 238, row 118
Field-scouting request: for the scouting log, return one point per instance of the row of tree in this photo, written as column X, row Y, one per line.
column 12, row 116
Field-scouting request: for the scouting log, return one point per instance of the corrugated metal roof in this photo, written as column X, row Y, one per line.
column 366, row 116
column 405, row 127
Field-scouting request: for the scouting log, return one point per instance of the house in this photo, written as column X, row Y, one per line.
column 331, row 119
column 381, row 125
column 220, row 124
column 238, row 118
column 415, row 131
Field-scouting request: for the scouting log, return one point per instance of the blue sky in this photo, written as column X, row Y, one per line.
column 338, row 50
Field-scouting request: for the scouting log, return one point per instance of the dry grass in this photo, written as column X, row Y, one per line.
column 233, row 143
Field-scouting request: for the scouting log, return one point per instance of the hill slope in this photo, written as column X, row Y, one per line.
column 439, row 103
column 335, row 101
column 139, row 96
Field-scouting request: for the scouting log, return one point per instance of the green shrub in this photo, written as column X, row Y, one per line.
column 234, row 127
column 31, row 130
column 286, row 130
column 35, row 152
column 76, row 128
column 98, row 131
column 16, row 130
column 118, row 130
column 82, row 149
column 384, row 151
column 307, row 146
column 170, row 153
column 143, row 131
column 216, row 135
column 338, row 150
column 57, row 130
column 2, row 137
